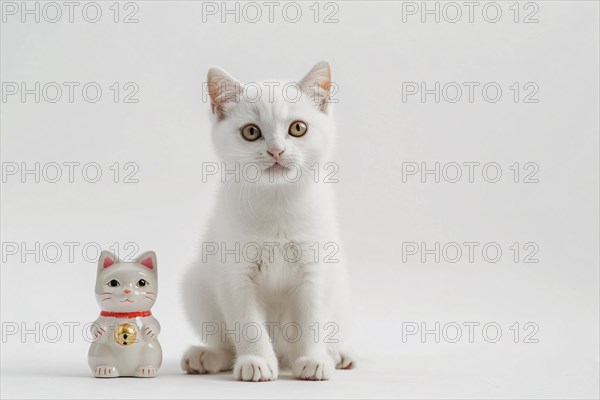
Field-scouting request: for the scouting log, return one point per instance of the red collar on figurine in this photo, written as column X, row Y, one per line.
column 132, row 314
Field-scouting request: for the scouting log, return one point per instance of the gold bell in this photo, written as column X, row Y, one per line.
column 126, row 334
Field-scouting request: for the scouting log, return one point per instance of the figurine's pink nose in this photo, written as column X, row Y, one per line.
column 127, row 291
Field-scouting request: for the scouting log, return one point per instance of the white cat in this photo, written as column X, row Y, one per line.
column 125, row 334
column 266, row 287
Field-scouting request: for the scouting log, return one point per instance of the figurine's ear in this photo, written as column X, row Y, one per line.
column 107, row 259
column 148, row 260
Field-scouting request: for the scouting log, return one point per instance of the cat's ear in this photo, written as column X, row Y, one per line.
column 106, row 260
column 148, row 260
column 223, row 90
column 317, row 84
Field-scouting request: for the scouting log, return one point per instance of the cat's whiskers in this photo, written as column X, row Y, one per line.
column 238, row 149
column 232, row 177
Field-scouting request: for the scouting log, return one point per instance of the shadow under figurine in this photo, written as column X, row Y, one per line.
column 125, row 334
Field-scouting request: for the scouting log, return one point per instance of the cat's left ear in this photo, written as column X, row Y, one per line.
column 224, row 90
column 148, row 260
column 317, row 84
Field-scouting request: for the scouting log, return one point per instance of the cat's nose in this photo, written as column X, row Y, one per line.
column 127, row 291
column 275, row 152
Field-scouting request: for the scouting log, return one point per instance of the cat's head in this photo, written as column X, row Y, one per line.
column 267, row 129
column 126, row 286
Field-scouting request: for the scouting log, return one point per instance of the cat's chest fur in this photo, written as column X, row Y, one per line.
column 280, row 264
column 279, row 239
column 279, row 258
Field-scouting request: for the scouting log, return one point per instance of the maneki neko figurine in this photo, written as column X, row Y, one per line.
column 125, row 335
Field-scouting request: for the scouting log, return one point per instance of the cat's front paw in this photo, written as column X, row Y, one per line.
column 251, row 368
column 313, row 368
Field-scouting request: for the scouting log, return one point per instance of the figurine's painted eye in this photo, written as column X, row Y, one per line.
column 251, row 132
column 113, row 283
column 142, row 283
column 298, row 129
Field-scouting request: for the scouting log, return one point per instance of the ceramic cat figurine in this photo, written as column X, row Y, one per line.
column 125, row 334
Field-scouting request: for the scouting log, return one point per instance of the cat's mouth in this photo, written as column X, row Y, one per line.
column 276, row 166
column 127, row 301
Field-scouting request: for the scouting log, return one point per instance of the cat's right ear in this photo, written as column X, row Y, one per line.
column 223, row 90
column 317, row 84
column 107, row 259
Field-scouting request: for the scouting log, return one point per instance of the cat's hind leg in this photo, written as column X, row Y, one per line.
column 343, row 357
column 204, row 360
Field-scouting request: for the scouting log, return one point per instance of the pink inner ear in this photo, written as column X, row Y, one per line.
column 147, row 263
column 108, row 262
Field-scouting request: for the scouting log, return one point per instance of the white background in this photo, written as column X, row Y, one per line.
column 372, row 51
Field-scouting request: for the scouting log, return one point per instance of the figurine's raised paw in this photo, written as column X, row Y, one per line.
column 252, row 368
column 97, row 331
column 146, row 372
column 200, row 360
column 313, row 368
column 149, row 332
column 106, row 371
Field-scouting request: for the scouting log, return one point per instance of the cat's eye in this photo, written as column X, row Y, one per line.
column 298, row 129
column 142, row 283
column 113, row 283
column 251, row 132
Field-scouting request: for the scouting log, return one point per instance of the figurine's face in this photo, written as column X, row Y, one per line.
column 126, row 286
